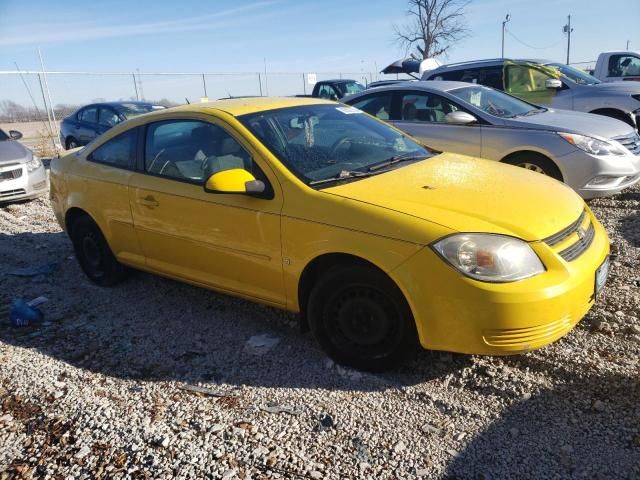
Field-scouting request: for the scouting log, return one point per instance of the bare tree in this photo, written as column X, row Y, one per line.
column 434, row 27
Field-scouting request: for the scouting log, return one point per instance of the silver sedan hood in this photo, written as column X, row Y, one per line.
column 627, row 88
column 14, row 152
column 572, row 122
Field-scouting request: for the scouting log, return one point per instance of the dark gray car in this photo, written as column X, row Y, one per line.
column 595, row 155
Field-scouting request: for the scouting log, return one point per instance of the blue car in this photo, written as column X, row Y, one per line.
column 90, row 121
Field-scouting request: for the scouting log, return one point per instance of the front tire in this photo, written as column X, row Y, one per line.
column 94, row 255
column 361, row 319
column 535, row 162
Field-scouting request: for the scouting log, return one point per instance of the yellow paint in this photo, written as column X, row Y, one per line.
column 229, row 181
column 258, row 248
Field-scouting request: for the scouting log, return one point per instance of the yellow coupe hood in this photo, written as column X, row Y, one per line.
column 471, row 195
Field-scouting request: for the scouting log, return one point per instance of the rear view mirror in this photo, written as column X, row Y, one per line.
column 552, row 83
column 298, row 122
column 460, row 118
column 235, row 180
column 15, row 135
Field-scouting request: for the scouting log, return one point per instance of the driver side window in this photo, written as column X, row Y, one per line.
column 192, row 151
column 378, row 105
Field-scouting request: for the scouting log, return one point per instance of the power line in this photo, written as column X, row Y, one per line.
column 532, row 46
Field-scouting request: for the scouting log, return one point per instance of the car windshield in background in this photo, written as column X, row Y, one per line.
column 575, row 75
column 131, row 110
column 494, row 102
column 3, row 136
column 325, row 144
column 349, row 88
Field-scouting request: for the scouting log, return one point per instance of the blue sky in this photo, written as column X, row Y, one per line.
column 292, row 35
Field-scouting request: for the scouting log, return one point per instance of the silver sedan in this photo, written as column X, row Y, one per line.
column 595, row 155
column 22, row 174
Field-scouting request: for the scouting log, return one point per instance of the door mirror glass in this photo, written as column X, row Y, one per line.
column 235, row 180
column 552, row 83
column 15, row 135
column 460, row 118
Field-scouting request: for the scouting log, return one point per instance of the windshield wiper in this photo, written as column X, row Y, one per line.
column 406, row 157
column 343, row 175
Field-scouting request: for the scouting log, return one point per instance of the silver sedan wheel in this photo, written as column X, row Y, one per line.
column 533, row 167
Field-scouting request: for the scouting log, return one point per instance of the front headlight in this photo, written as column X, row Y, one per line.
column 489, row 257
column 593, row 145
column 33, row 164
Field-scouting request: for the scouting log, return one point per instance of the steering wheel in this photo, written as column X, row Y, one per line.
column 337, row 145
column 493, row 110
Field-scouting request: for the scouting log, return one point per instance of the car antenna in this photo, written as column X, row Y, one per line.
column 187, row 100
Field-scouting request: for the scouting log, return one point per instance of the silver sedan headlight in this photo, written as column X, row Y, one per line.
column 594, row 146
column 33, row 164
column 489, row 257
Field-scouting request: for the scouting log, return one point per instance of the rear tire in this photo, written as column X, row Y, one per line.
column 94, row 255
column 361, row 319
column 535, row 162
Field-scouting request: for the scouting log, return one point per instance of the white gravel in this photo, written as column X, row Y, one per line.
column 104, row 388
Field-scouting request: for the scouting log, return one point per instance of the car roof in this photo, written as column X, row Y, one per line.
column 440, row 85
column 242, row 106
column 488, row 61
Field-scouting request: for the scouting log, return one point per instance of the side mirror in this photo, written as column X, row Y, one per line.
column 235, row 180
column 460, row 118
column 15, row 135
column 552, row 84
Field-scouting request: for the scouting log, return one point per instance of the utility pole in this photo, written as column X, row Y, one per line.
column 627, row 45
column 567, row 29
column 504, row 23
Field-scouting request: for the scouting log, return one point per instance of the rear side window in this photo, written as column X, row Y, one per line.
column 117, row 152
column 378, row 105
column 488, row 76
column 624, row 66
column 89, row 114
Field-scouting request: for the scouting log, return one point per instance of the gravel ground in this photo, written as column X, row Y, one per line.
column 158, row 379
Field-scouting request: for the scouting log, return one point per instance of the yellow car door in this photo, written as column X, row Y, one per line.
column 230, row 242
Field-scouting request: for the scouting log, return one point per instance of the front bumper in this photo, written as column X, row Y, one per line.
column 25, row 185
column 456, row 313
column 580, row 168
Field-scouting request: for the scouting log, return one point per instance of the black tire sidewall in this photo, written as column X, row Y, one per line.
column 546, row 164
column 111, row 271
column 328, row 289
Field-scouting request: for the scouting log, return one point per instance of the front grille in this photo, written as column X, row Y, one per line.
column 565, row 232
column 584, row 242
column 12, row 193
column 11, row 174
column 631, row 142
column 582, row 229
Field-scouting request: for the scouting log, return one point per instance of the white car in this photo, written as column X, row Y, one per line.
column 22, row 175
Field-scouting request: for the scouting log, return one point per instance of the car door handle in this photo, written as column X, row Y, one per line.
column 148, row 201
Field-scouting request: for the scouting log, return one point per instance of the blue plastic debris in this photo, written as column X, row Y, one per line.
column 24, row 313
column 44, row 269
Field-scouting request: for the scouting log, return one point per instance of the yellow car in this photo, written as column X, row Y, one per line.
column 315, row 207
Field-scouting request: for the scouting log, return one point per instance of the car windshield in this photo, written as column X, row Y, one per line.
column 131, row 110
column 495, row 102
column 349, row 88
column 3, row 136
column 321, row 144
column 575, row 75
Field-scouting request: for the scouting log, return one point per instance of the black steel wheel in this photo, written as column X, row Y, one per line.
column 361, row 319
